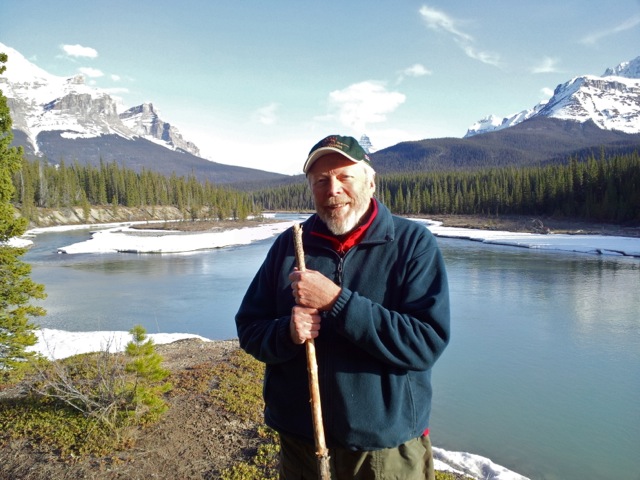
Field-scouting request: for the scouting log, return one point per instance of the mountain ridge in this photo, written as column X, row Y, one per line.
column 611, row 101
column 586, row 115
column 534, row 141
column 41, row 101
column 62, row 118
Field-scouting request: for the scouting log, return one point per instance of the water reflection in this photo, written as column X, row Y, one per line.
column 545, row 346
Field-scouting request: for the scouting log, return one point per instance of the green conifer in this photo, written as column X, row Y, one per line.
column 16, row 286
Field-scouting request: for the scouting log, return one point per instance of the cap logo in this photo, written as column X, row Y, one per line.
column 335, row 143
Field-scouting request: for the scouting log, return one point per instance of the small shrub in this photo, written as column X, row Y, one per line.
column 148, row 386
column 90, row 403
column 197, row 379
column 239, row 389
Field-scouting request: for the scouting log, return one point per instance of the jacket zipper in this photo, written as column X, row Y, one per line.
column 340, row 269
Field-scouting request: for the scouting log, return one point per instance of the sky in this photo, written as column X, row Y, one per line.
column 257, row 84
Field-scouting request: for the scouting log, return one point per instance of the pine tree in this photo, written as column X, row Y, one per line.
column 146, row 364
column 16, row 287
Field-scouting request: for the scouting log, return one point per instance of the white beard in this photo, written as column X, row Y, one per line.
column 341, row 226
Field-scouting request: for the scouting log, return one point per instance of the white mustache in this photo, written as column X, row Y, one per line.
column 332, row 202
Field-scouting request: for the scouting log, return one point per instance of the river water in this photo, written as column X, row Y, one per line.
column 542, row 374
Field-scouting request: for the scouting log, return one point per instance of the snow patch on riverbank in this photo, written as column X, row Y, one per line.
column 592, row 244
column 111, row 238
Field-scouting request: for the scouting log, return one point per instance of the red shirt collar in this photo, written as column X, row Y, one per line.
column 342, row 245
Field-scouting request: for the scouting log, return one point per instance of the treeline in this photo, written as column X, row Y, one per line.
column 598, row 189
column 41, row 184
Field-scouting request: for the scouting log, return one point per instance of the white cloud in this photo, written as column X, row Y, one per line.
column 115, row 78
column 415, row 70
column 267, row 115
column 547, row 65
column 593, row 38
column 91, row 72
column 442, row 22
column 275, row 153
column 80, row 51
column 546, row 92
column 485, row 57
column 364, row 103
column 437, row 20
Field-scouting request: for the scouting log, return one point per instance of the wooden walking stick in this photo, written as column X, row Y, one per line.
column 312, row 367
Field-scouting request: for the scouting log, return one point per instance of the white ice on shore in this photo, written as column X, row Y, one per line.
column 123, row 238
column 593, row 244
column 472, row 465
column 56, row 344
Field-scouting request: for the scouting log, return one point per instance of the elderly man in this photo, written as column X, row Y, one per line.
column 374, row 296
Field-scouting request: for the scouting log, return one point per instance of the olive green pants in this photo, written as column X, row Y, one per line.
column 410, row 461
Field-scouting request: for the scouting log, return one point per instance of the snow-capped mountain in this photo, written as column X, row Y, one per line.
column 365, row 143
column 611, row 101
column 42, row 102
column 60, row 118
column 144, row 121
column 492, row 122
column 625, row 69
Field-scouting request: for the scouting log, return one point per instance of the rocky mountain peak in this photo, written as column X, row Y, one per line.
column 366, row 145
column 42, row 102
column 611, row 101
column 76, row 80
column 144, row 121
column 629, row 69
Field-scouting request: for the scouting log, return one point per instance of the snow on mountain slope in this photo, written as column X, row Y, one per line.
column 42, row 102
column 144, row 121
column 492, row 122
column 611, row 101
column 625, row 69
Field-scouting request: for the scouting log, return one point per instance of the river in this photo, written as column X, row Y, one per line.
column 542, row 374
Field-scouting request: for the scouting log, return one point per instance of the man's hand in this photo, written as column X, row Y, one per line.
column 304, row 325
column 312, row 289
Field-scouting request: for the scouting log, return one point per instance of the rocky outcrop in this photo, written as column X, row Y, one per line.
column 45, row 217
column 144, row 121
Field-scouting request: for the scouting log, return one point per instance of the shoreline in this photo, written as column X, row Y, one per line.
column 159, row 237
column 539, row 225
column 170, row 218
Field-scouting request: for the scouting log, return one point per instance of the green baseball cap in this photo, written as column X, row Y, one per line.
column 346, row 146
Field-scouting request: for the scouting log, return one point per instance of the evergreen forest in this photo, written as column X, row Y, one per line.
column 604, row 188
column 597, row 189
column 43, row 185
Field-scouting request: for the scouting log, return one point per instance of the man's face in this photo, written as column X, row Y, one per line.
column 341, row 192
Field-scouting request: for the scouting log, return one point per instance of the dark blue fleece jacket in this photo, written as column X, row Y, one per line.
column 376, row 346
